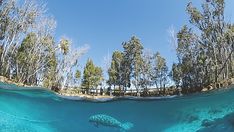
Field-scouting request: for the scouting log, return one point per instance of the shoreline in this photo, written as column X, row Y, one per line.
column 104, row 98
column 85, row 97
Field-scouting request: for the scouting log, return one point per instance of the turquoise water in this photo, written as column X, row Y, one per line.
column 39, row 110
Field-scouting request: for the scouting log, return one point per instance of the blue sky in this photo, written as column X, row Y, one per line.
column 105, row 24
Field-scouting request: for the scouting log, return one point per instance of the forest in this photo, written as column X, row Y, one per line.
column 30, row 54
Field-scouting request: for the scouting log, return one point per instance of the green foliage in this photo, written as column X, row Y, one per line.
column 92, row 75
column 160, row 71
column 146, row 75
column 50, row 77
column 176, row 74
column 205, row 57
column 25, row 58
column 77, row 74
column 64, row 45
column 28, row 51
column 133, row 66
column 132, row 62
column 114, row 71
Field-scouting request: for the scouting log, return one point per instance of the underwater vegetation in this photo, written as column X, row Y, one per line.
column 106, row 120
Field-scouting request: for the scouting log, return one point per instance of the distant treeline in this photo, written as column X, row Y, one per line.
column 30, row 54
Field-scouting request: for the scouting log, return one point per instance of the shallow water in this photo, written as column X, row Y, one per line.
column 39, row 110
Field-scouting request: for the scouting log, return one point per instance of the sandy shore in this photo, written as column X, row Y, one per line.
column 105, row 98
column 95, row 98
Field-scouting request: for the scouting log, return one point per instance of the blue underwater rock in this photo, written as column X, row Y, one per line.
column 225, row 124
column 106, row 120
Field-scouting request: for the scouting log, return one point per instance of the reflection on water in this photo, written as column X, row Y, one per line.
column 40, row 110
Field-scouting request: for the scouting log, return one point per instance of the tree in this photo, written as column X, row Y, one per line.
column 205, row 58
column 64, row 45
column 67, row 61
column 33, row 59
column 17, row 22
column 186, row 51
column 92, row 76
column 50, row 78
column 114, row 71
column 132, row 56
column 25, row 60
column 97, row 78
column 160, row 71
column 78, row 74
column 77, row 77
column 125, row 73
column 176, row 74
column 146, row 70
column 28, row 50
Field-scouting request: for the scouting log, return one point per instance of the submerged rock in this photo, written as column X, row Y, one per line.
column 214, row 111
column 225, row 124
column 191, row 118
column 206, row 123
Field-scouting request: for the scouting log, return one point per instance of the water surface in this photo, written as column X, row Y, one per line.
column 39, row 110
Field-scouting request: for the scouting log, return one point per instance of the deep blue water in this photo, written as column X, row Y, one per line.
column 38, row 110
